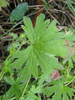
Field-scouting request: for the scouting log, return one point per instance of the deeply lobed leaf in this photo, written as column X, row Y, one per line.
column 45, row 43
column 59, row 90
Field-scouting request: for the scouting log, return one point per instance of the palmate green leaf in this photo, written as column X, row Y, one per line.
column 59, row 90
column 45, row 42
column 31, row 93
column 15, row 89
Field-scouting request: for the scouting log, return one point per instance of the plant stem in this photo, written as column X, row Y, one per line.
column 24, row 89
column 70, row 81
column 1, row 74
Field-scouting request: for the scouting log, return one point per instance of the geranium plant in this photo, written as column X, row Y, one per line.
column 38, row 60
